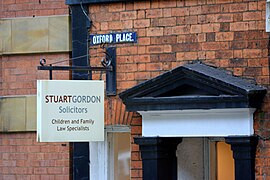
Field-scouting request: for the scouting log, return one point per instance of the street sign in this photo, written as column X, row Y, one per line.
column 113, row 38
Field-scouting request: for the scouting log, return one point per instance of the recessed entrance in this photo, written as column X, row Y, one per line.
column 205, row 159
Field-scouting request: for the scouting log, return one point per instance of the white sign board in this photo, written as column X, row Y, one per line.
column 70, row 110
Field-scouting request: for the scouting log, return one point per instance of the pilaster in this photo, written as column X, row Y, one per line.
column 244, row 151
column 159, row 157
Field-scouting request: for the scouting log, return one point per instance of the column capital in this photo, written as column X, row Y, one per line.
column 242, row 140
column 245, row 146
column 157, row 147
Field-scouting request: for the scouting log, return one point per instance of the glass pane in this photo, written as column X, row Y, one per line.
column 121, row 144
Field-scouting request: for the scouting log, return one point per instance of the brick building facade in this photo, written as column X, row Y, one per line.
column 225, row 34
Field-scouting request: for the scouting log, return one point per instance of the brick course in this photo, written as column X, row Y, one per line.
column 19, row 72
column 21, row 157
column 26, row 8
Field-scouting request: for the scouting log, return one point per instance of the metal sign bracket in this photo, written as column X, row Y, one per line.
column 108, row 65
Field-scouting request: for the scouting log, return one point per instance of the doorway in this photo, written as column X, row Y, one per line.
column 204, row 158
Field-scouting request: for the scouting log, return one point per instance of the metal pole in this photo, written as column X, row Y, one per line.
column 80, row 154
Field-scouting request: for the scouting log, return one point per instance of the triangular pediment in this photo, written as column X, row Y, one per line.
column 193, row 86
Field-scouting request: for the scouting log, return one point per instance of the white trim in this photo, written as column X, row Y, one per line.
column 198, row 123
column 110, row 161
column 98, row 159
column 267, row 19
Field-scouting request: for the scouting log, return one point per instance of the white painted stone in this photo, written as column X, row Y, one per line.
column 198, row 123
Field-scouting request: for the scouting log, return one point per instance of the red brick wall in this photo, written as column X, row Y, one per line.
column 136, row 161
column 223, row 33
column 21, row 157
column 229, row 34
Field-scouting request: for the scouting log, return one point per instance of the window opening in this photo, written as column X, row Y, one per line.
column 110, row 160
column 119, row 155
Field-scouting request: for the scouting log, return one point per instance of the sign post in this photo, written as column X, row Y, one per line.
column 70, row 111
